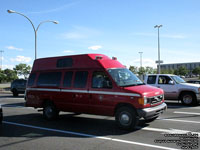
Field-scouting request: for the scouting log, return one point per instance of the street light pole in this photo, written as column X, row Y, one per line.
column 140, row 58
column 159, row 61
column 35, row 29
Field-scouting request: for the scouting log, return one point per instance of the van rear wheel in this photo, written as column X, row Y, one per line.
column 50, row 112
column 126, row 118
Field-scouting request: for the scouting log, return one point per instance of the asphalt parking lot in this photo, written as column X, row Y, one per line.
column 25, row 128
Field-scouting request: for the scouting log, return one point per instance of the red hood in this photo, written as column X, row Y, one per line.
column 145, row 90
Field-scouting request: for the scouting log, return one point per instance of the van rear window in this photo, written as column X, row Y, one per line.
column 49, row 79
column 65, row 62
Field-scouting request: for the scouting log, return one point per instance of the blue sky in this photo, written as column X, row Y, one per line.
column 120, row 28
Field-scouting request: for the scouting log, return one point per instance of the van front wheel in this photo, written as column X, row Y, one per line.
column 50, row 112
column 126, row 118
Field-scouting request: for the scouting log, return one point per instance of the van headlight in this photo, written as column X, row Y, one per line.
column 143, row 100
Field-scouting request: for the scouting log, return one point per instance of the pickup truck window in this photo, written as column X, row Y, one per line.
column 124, row 77
column 177, row 79
column 151, row 80
column 164, row 80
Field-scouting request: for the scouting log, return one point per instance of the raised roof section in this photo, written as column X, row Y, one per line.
column 76, row 61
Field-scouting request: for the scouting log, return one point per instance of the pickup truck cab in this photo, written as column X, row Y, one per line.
column 175, row 88
column 92, row 84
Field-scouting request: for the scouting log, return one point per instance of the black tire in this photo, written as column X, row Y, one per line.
column 15, row 93
column 150, row 120
column 188, row 99
column 126, row 118
column 49, row 111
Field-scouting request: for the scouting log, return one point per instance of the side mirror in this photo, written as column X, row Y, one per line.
column 171, row 82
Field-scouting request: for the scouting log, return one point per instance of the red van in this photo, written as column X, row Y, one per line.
column 92, row 84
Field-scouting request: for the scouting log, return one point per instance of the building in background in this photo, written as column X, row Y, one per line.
column 189, row 66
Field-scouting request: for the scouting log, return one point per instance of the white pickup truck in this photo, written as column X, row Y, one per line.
column 175, row 88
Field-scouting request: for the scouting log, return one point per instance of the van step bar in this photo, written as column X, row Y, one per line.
column 40, row 110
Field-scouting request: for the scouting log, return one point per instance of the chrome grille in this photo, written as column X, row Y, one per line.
column 155, row 99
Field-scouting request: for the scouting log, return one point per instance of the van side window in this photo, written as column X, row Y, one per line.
column 64, row 62
column 80, row 80
column 101, row 80
column 151, row 80
column 68, row 79
column 49, row 79
column 31, row 79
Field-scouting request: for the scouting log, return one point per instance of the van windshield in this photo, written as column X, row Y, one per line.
column 124, row 77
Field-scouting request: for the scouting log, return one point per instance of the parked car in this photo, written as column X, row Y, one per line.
column 1, row 114
column 175, row 88
column 92, row 84
column 18, row 86
column 194, row 81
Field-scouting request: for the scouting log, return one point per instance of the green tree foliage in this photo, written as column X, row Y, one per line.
column 196, row 71
column 22, row 70
column 181, row 71
column 7, row 75
column 142, row 70
column 133, row 69
column 170, row 71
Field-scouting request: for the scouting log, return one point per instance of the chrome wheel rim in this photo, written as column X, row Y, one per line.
column 187, row 99
column 125, row 119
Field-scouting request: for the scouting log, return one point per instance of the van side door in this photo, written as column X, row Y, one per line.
column 101, row 94
column 80, row 91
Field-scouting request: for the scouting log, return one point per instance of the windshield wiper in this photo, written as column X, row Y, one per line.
column 133, row 85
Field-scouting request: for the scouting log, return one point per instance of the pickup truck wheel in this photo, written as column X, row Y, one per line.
column 50, row 112
column 188, row 98
column 126, row 118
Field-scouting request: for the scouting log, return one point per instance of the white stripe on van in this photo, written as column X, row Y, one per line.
column 84, row 91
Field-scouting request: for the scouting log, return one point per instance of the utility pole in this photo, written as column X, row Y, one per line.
column 140, row 59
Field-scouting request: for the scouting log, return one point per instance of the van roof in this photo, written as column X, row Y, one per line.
column 78, row 61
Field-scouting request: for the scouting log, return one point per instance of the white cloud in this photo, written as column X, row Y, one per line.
column 21, row 59
column 95, row 47
column 68, row 51
column 8, row 66
column 14, row 48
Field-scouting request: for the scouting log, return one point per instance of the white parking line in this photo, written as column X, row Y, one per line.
column 171, row 131
column 186, row 121
column 188, row 113
column 91, row 136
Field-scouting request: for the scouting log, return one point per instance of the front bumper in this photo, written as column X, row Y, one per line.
column 152, row 112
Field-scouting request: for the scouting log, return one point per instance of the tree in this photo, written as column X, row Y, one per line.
column 10, row 75
column 133, row 69
column 196, row 71
column 22, row 70
column 181, row 71
column 150, row 70
column 141, row 71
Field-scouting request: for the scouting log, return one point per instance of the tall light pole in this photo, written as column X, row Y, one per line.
column 35, row 29
column 1, row 51
column 158, row 61
column 140, row 59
